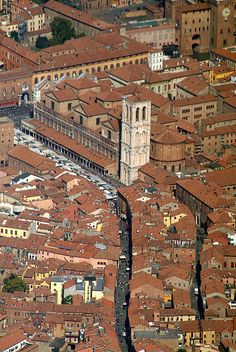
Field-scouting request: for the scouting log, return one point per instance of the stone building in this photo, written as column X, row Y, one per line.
column 135, row 137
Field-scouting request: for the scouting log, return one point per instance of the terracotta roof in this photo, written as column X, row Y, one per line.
column 231, row 101
column 77, row 15
column 209, row 194
column 225, row 177
column 141, row 279
column 220, row 118
column 71, row 144
column 206, row 325
column 195, row 7
column 33, row 159
column 193, row 85
column 225, row 54
column 65, row 94
column 194, row 100
column 167, row 136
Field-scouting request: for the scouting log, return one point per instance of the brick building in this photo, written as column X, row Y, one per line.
column 202, row 25
column 168, row 149
column 213, row 141
column 12, row 92
column 195, row 109
column 82, row 21
column 200, row 198
column 7, row 138
column 155, row 36
column 23, row 159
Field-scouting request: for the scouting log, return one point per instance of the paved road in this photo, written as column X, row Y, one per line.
column 116, row 15
column 122, row 289
column 199, row 241
column 17, row 113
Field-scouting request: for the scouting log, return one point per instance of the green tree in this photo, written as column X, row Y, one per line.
column 62, row 30
column 15, row 36
column 40, row 1
column 42, row 42
column 13, row 283
column 67, row 300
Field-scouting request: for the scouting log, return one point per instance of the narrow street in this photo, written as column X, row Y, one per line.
column 122, row 289
column 199, row 301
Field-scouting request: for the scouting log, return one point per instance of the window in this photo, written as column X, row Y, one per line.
column 184, row 111
column 69, row 106
column 98, row 121
column 52, row 105
column 81, row 120
column 137, row 114
column 210, row 107
column 198, row 109
column 144, row 113
column 109, row 135
column 225, row 42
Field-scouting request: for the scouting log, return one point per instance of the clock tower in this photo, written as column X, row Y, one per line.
column 222, row 23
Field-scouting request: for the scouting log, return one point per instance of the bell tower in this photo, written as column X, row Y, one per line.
column 222, row 23
column 135, row 137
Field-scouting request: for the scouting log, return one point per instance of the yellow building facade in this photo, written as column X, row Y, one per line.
column 53, row 73
column 18, row 229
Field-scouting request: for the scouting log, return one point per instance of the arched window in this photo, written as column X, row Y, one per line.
column 49, row 78
column 112, row 66
column 126, row 156
column 61, row 75
column 105, row 67
column 124, row 134
column 99, row 69
column 173, row 168
column 137, row 138
column 93, row 70
column 144, row 113
column 127, row 113
column 36, row 80
column 56, row 77
column 180, row 167
column 118, row 65
column 136, row 61
column 143, row 137
column 137, row 114
column 127, row 137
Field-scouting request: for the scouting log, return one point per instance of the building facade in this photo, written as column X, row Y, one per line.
column 7, row 138
column 135, row 138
